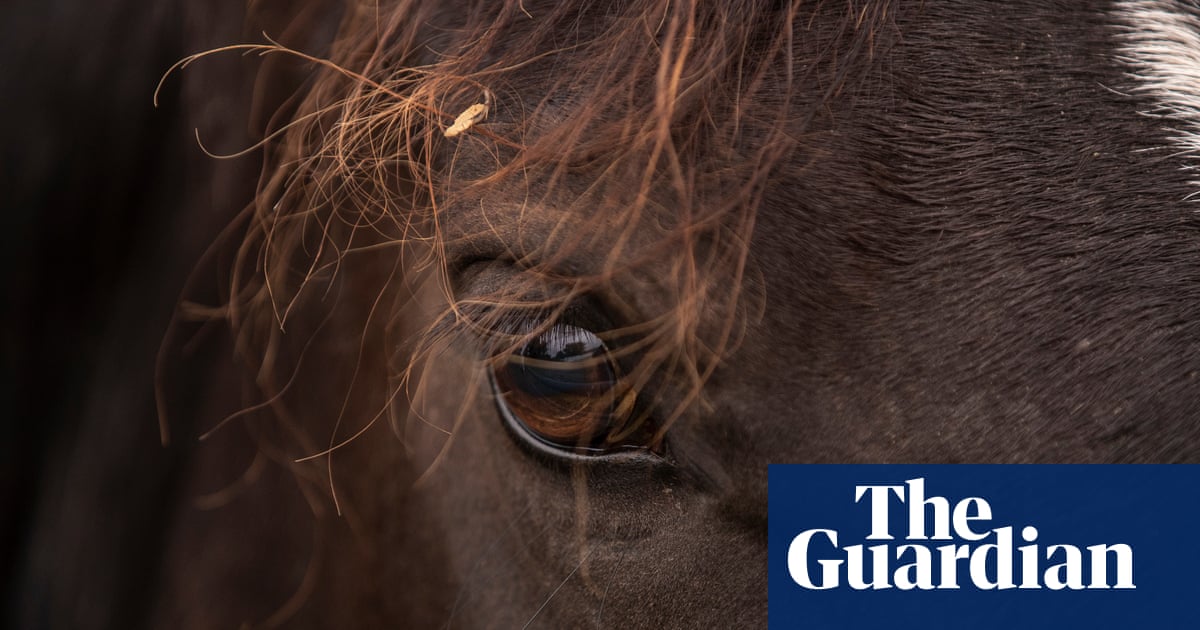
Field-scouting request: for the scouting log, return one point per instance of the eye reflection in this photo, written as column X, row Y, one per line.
column 561, row 386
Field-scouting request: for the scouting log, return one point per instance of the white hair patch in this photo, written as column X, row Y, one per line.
column 1160, row 42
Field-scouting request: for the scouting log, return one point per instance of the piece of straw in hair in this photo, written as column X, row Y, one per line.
column 474, row 114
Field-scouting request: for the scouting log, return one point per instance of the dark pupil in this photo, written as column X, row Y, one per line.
column 559, row 385
column 563, row 361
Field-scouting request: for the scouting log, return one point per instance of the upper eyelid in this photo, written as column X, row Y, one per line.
column 508, row 328
column 476, row 289
column 487, row 285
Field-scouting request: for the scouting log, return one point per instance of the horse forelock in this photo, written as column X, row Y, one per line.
column 640, row 139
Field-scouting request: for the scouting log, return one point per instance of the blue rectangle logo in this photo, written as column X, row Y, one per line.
column 984, row 546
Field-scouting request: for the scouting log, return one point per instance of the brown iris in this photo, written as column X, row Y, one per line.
column 560, row 385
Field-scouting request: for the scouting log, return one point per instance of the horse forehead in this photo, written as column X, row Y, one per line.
column 1009, row 176
column 978, row 145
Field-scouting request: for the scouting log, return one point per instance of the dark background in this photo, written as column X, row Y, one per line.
column 108, row 207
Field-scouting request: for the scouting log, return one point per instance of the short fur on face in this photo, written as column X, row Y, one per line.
column 807, row 232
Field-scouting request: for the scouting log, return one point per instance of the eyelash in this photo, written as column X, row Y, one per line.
column 559, row 382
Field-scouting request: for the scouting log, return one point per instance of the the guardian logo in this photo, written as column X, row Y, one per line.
column 972, row 553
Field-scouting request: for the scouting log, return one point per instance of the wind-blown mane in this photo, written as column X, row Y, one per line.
column 655, row 130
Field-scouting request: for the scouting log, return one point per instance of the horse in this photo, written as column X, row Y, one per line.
column 523, row 297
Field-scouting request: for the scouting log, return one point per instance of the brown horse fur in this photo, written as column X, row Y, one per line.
column 806, row 231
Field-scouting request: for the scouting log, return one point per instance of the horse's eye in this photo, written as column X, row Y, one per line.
column 561, row 388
